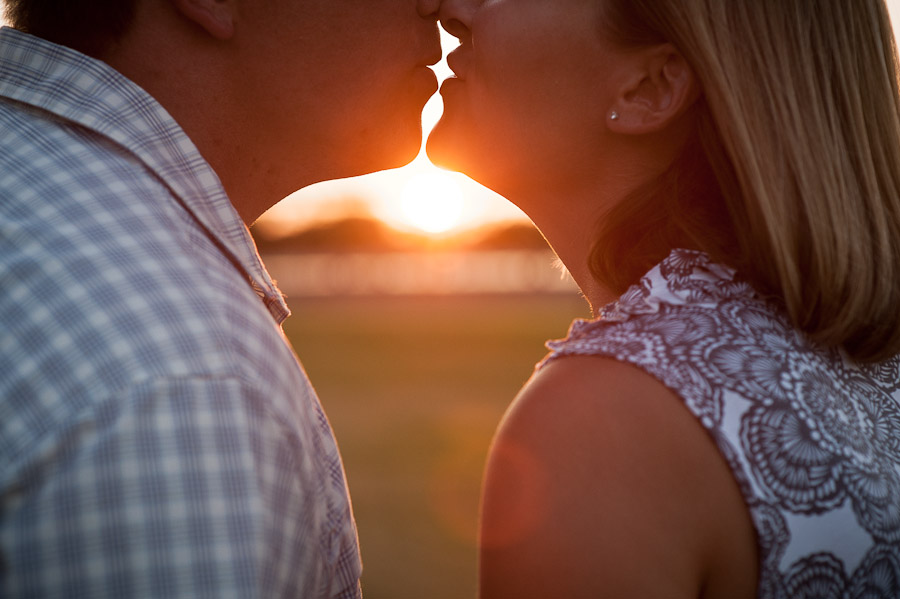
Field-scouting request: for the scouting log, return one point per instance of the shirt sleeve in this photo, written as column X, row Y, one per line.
column 178, row 488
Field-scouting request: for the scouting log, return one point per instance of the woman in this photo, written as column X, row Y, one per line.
column 722, row 179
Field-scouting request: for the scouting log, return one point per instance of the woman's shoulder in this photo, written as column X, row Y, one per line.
column 597, row 458
column 585, row 386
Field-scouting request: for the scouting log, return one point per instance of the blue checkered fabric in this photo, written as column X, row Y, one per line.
column 158, row 437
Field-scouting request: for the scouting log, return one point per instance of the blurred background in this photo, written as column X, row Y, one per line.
column 421, row 302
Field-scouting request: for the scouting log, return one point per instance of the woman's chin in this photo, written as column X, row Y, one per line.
column 440, row 151
column 447, row 148
column 446, row 151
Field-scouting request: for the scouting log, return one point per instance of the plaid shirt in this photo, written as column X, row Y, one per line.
column 157, row 435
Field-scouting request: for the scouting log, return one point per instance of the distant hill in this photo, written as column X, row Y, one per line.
column 358, row 234
column 345, row 235
column 510, row 237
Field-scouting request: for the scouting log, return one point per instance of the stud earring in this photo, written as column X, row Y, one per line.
column 614, row 116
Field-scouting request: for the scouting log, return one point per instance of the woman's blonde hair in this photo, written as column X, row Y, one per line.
column 796, row 162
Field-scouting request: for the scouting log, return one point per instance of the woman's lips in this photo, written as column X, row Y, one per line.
column 458, row 61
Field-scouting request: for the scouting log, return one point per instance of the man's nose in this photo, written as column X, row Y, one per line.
column 428, row 8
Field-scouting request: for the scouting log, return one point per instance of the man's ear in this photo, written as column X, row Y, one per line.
column 662, row 87
column 216, row 17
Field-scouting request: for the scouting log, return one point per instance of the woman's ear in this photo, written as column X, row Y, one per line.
column 216, row 17
column 659, row 89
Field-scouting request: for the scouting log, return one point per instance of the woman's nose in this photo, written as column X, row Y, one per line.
column 456, row 16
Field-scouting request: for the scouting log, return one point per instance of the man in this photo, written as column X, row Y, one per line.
column 157, row 436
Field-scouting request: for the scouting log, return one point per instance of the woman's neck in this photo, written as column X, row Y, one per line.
column 570, row 221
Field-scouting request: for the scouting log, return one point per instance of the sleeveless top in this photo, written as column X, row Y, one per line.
column 812, row 438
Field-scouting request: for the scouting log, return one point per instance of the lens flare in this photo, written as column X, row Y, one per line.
column 432, row 202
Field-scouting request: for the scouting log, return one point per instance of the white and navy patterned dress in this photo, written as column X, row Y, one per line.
column 812, row 439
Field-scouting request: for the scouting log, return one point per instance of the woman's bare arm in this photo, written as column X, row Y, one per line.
column 600, row 483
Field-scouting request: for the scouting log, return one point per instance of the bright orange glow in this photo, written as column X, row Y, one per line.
column 427, row 203
column 432, row 202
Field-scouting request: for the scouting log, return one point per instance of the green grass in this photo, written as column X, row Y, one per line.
column 414, row 388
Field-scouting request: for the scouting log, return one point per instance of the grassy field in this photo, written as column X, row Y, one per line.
column 414, row 387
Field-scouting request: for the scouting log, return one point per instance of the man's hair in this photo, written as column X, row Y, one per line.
column 793, row 176
column 89, row 26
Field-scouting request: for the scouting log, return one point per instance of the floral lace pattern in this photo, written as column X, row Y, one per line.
column 812, row 439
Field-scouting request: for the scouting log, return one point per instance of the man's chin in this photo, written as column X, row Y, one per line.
column 390, row 156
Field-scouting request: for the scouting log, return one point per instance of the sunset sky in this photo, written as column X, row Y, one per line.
column 416, row 197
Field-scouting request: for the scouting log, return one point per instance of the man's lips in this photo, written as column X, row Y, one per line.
column 431, row 51
column 433, row 57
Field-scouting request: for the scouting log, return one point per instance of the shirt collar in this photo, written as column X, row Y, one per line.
column 92, row 94
column 685, row 277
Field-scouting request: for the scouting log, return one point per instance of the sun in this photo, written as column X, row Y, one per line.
column 432, row 202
